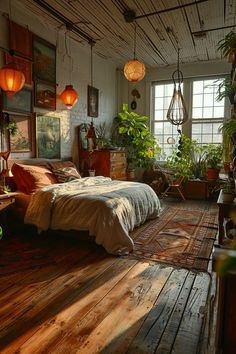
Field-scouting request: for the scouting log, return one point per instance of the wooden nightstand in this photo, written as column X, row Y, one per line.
column 5, row 201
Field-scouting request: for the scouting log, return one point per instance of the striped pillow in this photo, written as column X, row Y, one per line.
column 66, row 174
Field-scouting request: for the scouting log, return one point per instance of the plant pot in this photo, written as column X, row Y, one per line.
column 91, row 173
column 228, row 197
column 227, row 167
column 213, row 173
column 130, row 175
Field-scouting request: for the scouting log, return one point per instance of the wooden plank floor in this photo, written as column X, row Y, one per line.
column 60, row 295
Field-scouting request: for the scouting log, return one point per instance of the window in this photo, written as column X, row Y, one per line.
column 162, row 128
column 207, row 113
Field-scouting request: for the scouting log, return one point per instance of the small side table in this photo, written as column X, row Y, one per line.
column 224, row 211
column 5, row 201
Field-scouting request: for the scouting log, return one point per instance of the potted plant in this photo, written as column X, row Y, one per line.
column 228, row 191
column 213, row 160
column 101, row 135
column 132, row 132
column 226, row 88
column 227, row 46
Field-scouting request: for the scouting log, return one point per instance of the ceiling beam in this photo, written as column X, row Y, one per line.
column 130, row 15
column 59, row 16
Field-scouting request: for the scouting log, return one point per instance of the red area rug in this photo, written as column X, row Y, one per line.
column 179, row 237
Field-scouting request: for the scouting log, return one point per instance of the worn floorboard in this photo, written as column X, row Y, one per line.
column 82, row 300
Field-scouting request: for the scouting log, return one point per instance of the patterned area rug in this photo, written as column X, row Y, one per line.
column 179, row 237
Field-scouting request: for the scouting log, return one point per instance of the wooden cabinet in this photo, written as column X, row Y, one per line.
column 108, row 163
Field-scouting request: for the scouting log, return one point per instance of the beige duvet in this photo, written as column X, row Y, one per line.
column 109, row 209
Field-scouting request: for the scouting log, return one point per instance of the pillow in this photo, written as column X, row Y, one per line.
column 66, row 174
column 31, row 178
column 61, row 164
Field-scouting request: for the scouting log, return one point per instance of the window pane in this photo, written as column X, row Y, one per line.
column 197, row 100
column 206, row 128
column 158, row 115
column 206, row 139
column 169, row 90
column 197, row 112
column 218, row 112
column 159, row 90
column 196, row 129
column 208, row 100
column 159, row 103
column 197, row 87
column 207, row 112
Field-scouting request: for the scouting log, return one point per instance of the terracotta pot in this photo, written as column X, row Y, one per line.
column 130, row 175
column 228, row 197
column 213, row 173
column 226, row 167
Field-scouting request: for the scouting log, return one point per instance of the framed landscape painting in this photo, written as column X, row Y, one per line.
column 21, row 101
column 22, row 141
column 44, row 60
column 48, row 137
column 45, row 95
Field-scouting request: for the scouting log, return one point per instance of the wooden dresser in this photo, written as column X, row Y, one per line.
column 108, row 163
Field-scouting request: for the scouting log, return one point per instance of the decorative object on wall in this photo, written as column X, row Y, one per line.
column 44, row 73
column 134, row 70
column 45, row 95
column 135, row 93
column 12, row 78
column 22, row 141
column 21, row 40
column 93, row 92
column 48, row 137
column 20, row 102
column 177, row 113
column 69, row 96
column 44, row 60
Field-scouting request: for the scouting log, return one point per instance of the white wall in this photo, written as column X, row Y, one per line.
column 104, row 74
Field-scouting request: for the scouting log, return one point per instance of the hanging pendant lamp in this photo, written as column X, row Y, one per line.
column 12, row 78
column 177, row 113
column 134, row 70
column 69, row 95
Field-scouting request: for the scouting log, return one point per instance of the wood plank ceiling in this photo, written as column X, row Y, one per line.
column 196, row 29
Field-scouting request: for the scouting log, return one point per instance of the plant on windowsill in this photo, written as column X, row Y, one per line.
column 213, row 160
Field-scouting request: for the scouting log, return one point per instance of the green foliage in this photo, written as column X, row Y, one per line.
column 11, row 126
column 228, row 129
column 132, row 133
column 214, row 155
column 6, row 189
column 227, row 45
column 227, row 187
column 226, row 88
column 187, row 158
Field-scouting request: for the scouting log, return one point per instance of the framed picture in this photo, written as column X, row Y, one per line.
column 21, row 101
column 44, row 60
column 45, row 95
column 48, row 137
column 23, row 64
column 92, row 101
column 22, row 141
column 5, row 141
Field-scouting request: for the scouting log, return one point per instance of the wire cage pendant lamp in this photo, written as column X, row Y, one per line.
column 177, row 112
column 69, row 95
column 134, row 70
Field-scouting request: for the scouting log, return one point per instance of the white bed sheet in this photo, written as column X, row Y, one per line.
column 109, row 209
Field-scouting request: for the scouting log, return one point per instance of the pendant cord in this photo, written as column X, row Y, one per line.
column 135, row 41
column 91, row 68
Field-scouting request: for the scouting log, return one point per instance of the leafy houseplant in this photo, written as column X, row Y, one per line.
column 227, row 46
column 228, row 130
column 228, row 192
column 213, row 159
column 226, row 88
column 132, row 132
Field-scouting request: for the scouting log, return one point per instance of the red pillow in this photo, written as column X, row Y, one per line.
column 31, row 178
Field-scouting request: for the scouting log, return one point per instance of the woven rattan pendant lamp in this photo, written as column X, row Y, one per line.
column 134, row 70
column 177, row 113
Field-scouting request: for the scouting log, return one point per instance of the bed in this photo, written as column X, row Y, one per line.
column 108, row 209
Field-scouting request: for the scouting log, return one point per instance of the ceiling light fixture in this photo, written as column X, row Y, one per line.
column 177, row 113
column 12, row 78
column 69, row 96
column 134, row 70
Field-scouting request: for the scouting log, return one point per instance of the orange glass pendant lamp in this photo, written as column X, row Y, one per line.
column 69, row 96
column 12, row 78
column 134, row 70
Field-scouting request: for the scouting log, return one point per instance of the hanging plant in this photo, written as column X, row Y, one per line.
column 227, row 46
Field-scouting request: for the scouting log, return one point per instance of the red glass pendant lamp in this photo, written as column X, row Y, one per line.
column 12, row 78
column 69, row 96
